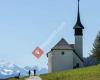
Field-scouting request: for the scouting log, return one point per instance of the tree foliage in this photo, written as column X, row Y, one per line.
column 96, row 48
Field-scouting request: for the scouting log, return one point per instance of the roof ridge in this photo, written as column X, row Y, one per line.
column 62, row 44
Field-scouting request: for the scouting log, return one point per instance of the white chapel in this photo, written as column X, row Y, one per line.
column 65, row 56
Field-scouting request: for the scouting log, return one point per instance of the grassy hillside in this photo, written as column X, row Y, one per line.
column 89, row 73
column 17, row 79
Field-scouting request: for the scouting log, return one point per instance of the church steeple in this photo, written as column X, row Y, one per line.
column 78, row 23
column 78, row 28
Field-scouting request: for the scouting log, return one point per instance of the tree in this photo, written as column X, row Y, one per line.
column 96, row 48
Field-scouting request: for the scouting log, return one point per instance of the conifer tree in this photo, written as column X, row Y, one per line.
column 96, row 48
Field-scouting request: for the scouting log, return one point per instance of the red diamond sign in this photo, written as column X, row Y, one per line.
column 38, row 52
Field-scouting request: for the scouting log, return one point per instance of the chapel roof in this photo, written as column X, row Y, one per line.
column 63, row 44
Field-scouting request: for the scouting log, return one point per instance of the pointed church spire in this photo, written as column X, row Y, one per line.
column 78, row 23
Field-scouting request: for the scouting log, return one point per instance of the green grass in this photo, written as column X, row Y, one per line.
column 18, row 79
column 87, row 73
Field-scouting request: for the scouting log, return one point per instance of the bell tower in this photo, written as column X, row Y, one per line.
column 78, row 32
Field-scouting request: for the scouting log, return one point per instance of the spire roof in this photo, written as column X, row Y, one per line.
column 78, row 23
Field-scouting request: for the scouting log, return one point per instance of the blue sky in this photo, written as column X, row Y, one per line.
column 26, row 24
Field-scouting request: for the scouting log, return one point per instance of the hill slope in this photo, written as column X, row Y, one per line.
column 89, row 73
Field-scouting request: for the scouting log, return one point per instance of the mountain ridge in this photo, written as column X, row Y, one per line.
column 8, row 69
